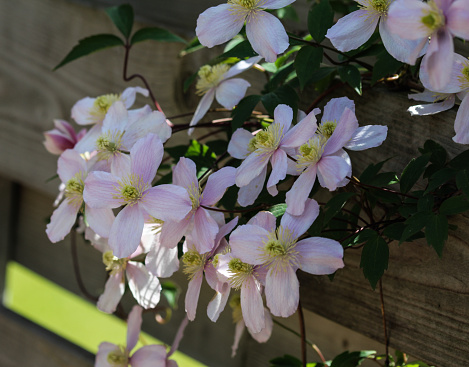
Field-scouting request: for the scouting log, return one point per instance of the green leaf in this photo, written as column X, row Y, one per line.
column 414, row 224
column 240, row 51
column 123, row 18
column 386, row 65
column 171, row 292
column 335, row 204
column 368, row 175
column 321, row 74
column 413, row 171
column 288, row 12
column 394, row 231
column 462, row 181
column 454, row 205
column 89, row 45
column 352, row 77
column 278, row 210
column 436, row 232
column 320, row 19
column 307, row 61
column 384, row 179
column 374, row 260
column 285, row 361
column 193, row 45
column 155, row 34
column 438, row 153
column 243, row 111
column 280, row 75
column 351, row 359
column 439, row 178
column 461, row 161
column 285, row 94
column 425, row 203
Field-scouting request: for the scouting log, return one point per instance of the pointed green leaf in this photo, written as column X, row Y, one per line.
column 414, row 224
column 89, row 45
column 454, row 205
column 320, row 19
column 171, row 292
column 385, row 66
column 438, row 153
column 123, row 18
column 307, row 61
column 335, row 204
column 155, row 34
column 285, row 94
column 350, row 75
column 351, row 359
column 436, row 232
column 394, row 231
column 439, row 178
column 461, row 161
column 413, row 171
column 278, row 210
column 462, row 181
column 243, row 110
column 374, row 259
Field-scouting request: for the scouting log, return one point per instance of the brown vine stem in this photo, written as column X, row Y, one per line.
column 324, row 95
column 303, row 333
column 386, row 341
column 191, row 113
column 354, row 181
column 310, row 343
column 76, row 267
column 127, row 47
column 260, row 207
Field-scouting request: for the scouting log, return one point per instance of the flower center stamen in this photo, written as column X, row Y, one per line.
column 118, row 357
column 381, row 6
column 433, row 18
column 266, row 140
column 310, row 152
column 193, row 262
column 279, row 249
column 240, row 271
column 327, row 128
column 114, row 264
column 209, row 77
column 195, row 194
column 464, row 77
column 74, row 188
column 102, row 103
column 130, row 190
column 109, row 143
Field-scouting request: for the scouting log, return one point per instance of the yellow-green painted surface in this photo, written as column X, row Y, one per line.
column 67, row 315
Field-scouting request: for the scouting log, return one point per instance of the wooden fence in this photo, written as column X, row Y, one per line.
column 426, row 298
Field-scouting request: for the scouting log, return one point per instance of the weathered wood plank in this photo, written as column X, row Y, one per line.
column 23, row 343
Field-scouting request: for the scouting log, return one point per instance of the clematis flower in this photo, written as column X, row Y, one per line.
column 215, row 82
column 61, row 138
column 323, row 155
column 133, row 190
column 260, row 337
column 197, row 264
column 73, row 170
column 441, row 20
column 198, row 223
column 457, row 86
column 439, row 102
column 282, row 254
column 247, row 278
column 271, row 144
column 264, row 31
column 353, row 30
column 119, row 133
column 111, row 355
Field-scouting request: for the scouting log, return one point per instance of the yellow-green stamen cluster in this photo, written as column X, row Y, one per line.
column 108, row 144
column 327, row 128
column 235, row 304
column 464, row 77
column 102, row 103
column 130, row 190
column 114, row 264
column 193, row 262
column 310, row 152
column 381, row 6
column 195, row 194
column 118, row 357
column 240, row 271
column 267, row 140
column 209, row 77
column 74, row 189
column 434, row 18
column 279, row 249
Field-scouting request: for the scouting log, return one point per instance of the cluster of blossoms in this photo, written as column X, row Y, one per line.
column 107, row 172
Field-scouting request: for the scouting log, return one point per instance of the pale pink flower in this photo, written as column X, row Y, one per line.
column 353, row 30
column 216, row 82
column 260, row 337
column 197, row 264
column 323, row 155
column 441, row 20
column 282, row 254
column 269, row 145
column 111, row 355
column 61, row 138
column 199, row 223
column 73, row 170
column 458, row 85
column 133, row 190
column 120, row 132
column 264, row 31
